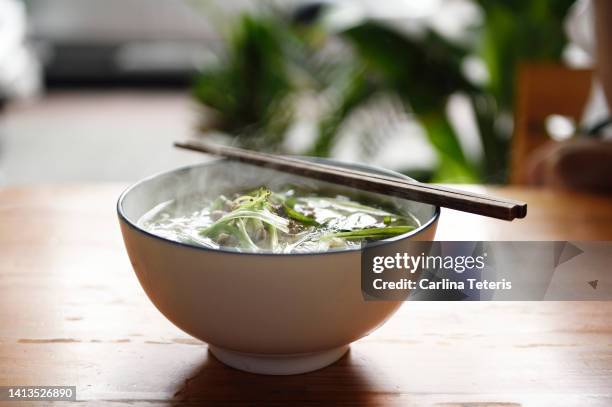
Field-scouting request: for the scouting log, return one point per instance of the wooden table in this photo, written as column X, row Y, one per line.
column 72, row 313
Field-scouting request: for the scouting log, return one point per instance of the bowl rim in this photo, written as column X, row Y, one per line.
column 224, row 250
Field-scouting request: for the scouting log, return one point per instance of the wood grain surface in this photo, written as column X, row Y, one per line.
column 72, row 313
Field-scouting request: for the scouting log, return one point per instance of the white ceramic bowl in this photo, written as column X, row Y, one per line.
column 263, row 313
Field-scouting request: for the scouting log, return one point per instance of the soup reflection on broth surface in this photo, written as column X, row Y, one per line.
column 287, row 220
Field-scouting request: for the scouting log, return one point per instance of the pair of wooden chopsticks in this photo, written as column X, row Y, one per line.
column 494, row 207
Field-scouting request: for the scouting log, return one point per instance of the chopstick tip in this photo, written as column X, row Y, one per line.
column 520, row 211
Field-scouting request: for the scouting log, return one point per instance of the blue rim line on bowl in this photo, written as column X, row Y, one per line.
column 381, row 242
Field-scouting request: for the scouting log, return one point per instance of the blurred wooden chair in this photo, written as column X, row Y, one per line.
column 543, row 90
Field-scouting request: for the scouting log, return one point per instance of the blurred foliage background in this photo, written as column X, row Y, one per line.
column 275, row 59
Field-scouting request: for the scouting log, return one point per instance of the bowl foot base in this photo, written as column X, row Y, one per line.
column 278, row 364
